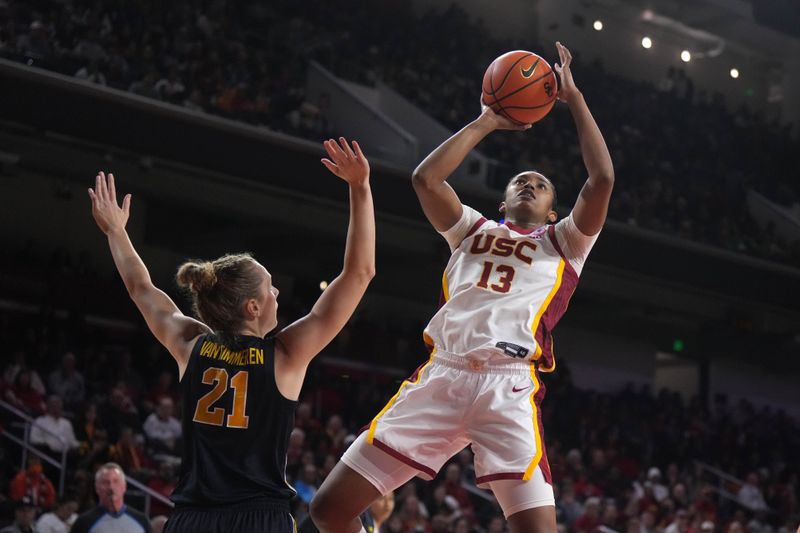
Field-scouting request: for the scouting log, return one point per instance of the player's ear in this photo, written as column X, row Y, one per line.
column 251, row 309
column 502, row 207
column 552, row 216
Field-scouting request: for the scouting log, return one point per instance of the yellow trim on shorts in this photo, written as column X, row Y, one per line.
column 374, row 424
column 445, row 292
column 536, row 436
column 545, row 305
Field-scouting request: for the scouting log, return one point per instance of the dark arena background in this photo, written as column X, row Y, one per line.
column 676, row 402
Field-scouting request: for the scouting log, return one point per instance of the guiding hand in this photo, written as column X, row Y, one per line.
column 107, row 213
column 498, row 121
column 348, row 163
column 567, row 89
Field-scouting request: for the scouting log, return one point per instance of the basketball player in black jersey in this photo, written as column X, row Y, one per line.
column 240, row 388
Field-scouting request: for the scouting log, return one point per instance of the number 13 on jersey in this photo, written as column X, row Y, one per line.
column 503, row 284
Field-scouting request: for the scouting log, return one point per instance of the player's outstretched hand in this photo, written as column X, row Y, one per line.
column 497, row 121
column 109, row 215
column 348, row 163
column 566, row 88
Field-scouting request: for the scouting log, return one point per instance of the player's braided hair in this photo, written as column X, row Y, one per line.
column 219, row 289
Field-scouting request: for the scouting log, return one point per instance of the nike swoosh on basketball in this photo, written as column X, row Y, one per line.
column 528, row 72
column 515, row 389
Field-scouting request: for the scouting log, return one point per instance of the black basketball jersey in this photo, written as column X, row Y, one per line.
column 236, row 425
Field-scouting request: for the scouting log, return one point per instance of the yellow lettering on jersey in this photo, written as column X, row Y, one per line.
column 248, row 356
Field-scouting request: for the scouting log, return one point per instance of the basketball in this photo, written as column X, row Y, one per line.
column 521, row 86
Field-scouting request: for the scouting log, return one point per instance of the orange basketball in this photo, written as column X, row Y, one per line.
column 521, row 86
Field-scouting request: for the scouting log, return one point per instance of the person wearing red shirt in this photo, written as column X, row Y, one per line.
column 33, row 485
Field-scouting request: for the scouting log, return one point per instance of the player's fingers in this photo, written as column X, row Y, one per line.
column 112, row 189
column 330, row 165
column 357, row 150
column 334, row 155
column 338, row 149
column 92, row 196
column 126, row 204
column 346, row 148
column 100, row 185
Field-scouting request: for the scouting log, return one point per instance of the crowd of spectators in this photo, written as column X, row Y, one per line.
column 623, row 461
column 684, row 161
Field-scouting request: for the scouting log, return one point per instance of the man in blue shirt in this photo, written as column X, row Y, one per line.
column 111, row 515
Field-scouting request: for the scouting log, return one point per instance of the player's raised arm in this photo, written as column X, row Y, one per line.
column 171, row 327
column 302, row 340
column 591, row 208
column 437, row 198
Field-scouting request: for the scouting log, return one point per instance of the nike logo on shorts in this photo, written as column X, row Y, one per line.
column 515, row 389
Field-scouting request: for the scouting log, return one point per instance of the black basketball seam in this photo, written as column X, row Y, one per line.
column 532, row 106
column 515, row 91
column 496, row 101
column 505, row 78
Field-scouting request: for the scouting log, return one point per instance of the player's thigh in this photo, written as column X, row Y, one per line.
column 529, row 501
column 536, row 520
column 345, row 493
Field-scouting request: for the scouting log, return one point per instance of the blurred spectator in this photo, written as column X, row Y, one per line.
column 53, row 430
column 453, row 486
column 24, row 517
column 128, row 452
column 146, row 86
column 89, row 47
column 750, row 494
column 111, row 514
column 381, row 509
column 163, row 483
column 59, row 520
column 306, row 485
column 67, row 382
column 680, row 523
column 32, row 486
column 590, row 519
column 96, row 452
column 170, row 88
column 413, row 514
column 86, row 424
column 24, row 396
column 118, row 412
column 297, row 441
column 162, row 429
column 91, row 72
column 443, row 505
column 660, row 491
column 18, row 364
column 164, row 387
column 36, row 44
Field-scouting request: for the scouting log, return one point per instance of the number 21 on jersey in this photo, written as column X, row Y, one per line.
column 205, row 414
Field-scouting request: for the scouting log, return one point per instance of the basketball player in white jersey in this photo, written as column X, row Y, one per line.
column 504, row 289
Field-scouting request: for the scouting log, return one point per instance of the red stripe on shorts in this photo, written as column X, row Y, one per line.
column 400, row 457
column 496, row 477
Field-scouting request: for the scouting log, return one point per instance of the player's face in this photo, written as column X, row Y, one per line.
column 529, row 195
column 268, row 301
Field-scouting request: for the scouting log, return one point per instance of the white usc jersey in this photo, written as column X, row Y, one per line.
column 505, row 288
